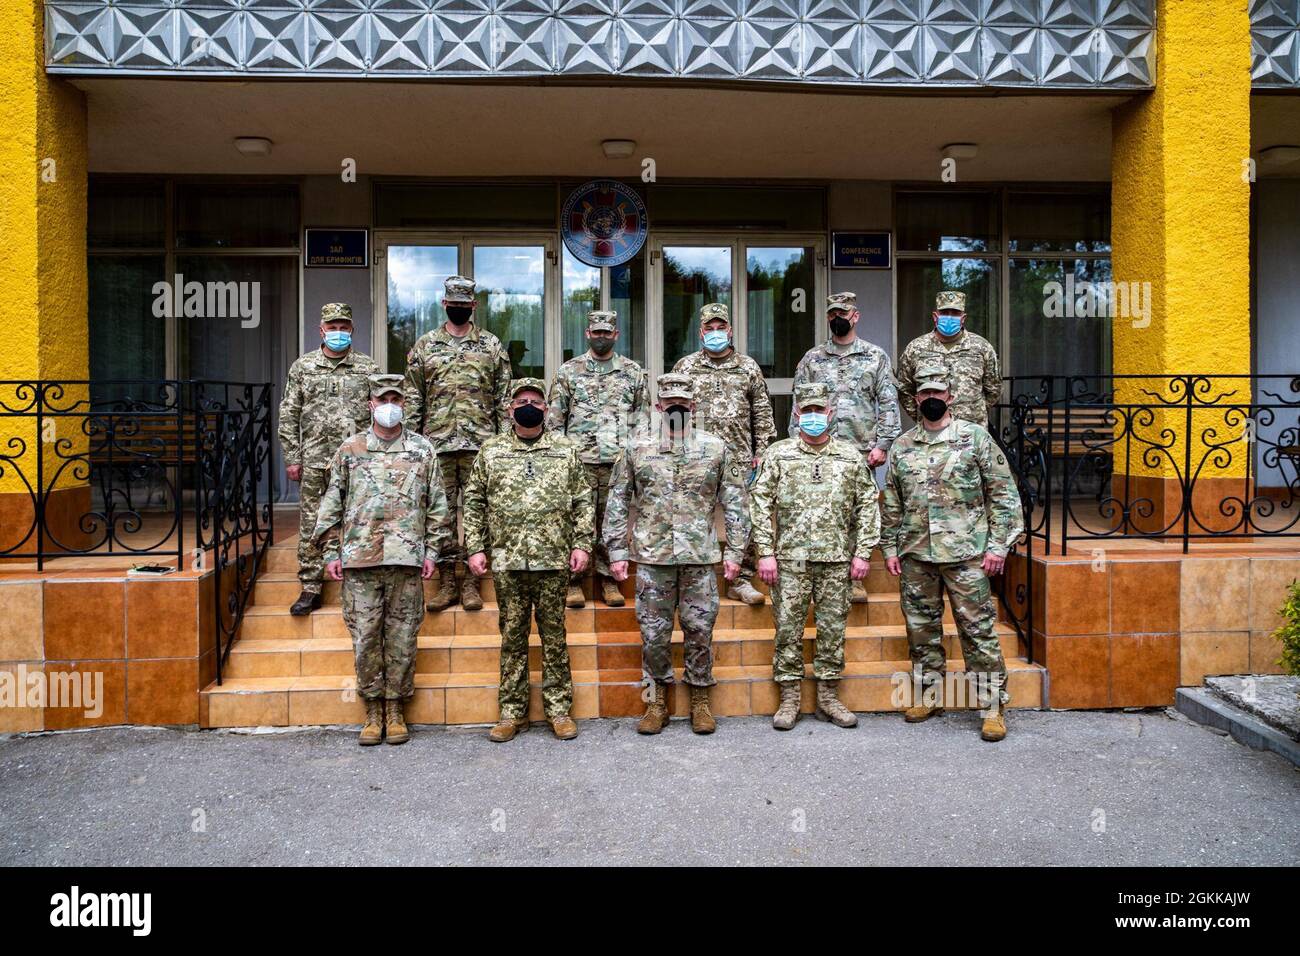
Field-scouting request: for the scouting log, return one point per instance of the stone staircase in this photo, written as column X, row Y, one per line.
column 292, row 671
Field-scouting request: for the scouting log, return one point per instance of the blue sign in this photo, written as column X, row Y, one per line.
column 860, row 250
column 337, row 248
column 604, row 223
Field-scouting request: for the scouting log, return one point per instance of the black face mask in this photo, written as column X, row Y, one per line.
column 933, row 409
column 459, row 314
column 529, row 416
column 840, row 326
column 677, row 416
column 601, row 345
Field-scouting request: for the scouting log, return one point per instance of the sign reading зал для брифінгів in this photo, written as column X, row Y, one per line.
column 335, row 248
column 860, row 250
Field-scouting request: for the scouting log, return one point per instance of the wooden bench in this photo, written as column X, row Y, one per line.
column 143, row 446
column 1084, row 436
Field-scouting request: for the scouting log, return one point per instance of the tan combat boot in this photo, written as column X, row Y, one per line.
column 470, row 598
column 656, row 712
column 859, row 595
column 702, row 721
column 919, row 712
column 742, row 590
column 446, row 595
column 994, row 727
column 574, row 597
column 372, row 731
column 788, row 712
column 563, row 727
column 507, row 728
column 829, row 706
column 610, row 593
column 395, row 730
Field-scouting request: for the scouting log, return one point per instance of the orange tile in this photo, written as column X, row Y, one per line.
column 729, row 698
column 21, row 676
column 427, row 706
column 472, row 705
column 1270, row 580
column 261, row 709
column 1143, row 669
column 325, row 707
column 1080, row 669
column 1265, row 651
column 107, row 687
column 162, row 691
column 85, row 620
column 1211, row 653
column 1078, row 600
column 21, row 627
column 162, row 618
column 475, row 660
column 726, row 653
column 1144, row 597
column 618, row 656
column 621, row 700
column 1215, row 594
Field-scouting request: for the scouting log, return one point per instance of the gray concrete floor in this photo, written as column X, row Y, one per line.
column 1082, row 788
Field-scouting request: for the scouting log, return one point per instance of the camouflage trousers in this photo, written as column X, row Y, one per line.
column 383, row 608
column 827, row 585
column 311, row 559
column 522, row 595
column 455, row 467
column 749, row 560
column 598, row 478
column 922, row 585
column 690, row 590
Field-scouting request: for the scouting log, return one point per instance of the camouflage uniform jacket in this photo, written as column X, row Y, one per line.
column 675, row 486
column 528, row 504
column 973, row 375
column 731, row 401
column 949, row 496
column 325, row 401
column 456, row 388
column 388, row 496
column 862, row 385
column 597, row 404
column 823, row 499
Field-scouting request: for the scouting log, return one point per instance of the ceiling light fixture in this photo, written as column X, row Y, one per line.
column 617, row 148
column 960, row 151
column 1275, row 156
column 253, row 145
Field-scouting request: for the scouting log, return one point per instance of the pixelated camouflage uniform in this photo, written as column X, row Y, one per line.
column 863, row 394
column 325, row 401
column 527, row 506
column 456, row 396
column 382, row 515
column 675, row 485
column 972, row 366
column 950, row 499
column 813, row 508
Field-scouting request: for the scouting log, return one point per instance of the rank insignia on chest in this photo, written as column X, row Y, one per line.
column 817, row 471
column 530, row 473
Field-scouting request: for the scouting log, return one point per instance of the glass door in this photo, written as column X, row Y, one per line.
column 412, row 302
column 512, row 281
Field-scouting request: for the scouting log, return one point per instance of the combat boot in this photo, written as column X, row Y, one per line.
column 994, row 727
column 470, row 598
column 859, row 595
column 702, row 721
column 612, row 596
column 742, row 590
column 506, row 728
column 307, row 602
column 563, row 727
column 372, row 731
column 656, row 712
column 920, row 711
column 575, row 597
column 446, row 595
column 788, row 712
column 395, row 731
column 829, row 706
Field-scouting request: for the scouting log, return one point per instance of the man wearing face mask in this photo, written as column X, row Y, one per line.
column 815, row 520
column 970, row 361
column 675, row 475
column 529, row 517
column 731, row 402
column 862, row 388
column 597, row 400
column 324, row 402
column 382, row 521
column 457, row 377
column 951, row 514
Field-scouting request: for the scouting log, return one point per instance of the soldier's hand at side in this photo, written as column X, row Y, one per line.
column 894, row 566
column 426, row 571
column 858, row 568
column 478, row 564
column 876, row 457
column 335, row 570
column 993, row 564
column 618, row 570
column 294, row 472
column 767, row 570
column 578, row 560
column 730, row 570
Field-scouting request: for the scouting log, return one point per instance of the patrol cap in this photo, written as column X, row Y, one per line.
column 336, row 312
column 841, row 302
column 458, row 289
column 715, row 310
column 518, row 385
column 812, row 395
column 950, row 300
column 675, row 386
column 932, row 377
column 388, row 382
column 601, row 321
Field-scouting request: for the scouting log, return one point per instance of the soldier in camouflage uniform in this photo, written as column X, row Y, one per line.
column 815, row 520
column 457, row 377
column 382, row 521
column 324, row 402
column 675, row 475
column 951, row 514
column 862, row 389
column 597, row 400
column 731, row 402
column 969, row 360
column 528, row 506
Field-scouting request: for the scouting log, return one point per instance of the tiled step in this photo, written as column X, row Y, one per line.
column 470, row 698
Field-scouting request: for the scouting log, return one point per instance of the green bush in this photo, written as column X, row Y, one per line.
column 1289, row 632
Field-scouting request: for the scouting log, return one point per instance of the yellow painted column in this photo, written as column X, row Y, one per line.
column 43, row 272
column 1181, row 236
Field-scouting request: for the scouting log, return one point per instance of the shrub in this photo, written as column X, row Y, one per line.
column 1289, row 633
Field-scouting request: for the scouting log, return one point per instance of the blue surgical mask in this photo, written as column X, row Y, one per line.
column 813, row 424
column 338, row 341
column 717, row 340
column 949, row 324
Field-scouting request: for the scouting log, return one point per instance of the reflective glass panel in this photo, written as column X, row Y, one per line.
column 511, row 284
column 415, row 290
column 780, row 304
column 693, row 276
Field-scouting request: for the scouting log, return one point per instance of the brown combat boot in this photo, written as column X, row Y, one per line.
column 859, row 595
column 994, row 727
column 830, row 707
column 788, row 712
column 372, row 731
column 702, row 721
column 742, row 590
column 446, row 595
column 574, row 597
column 470, row 598
column 507, row 728
column 563, row 727
column 307, row 602
column 920, row 710
column 656, row 712
column 395, row 730
column 610, row 593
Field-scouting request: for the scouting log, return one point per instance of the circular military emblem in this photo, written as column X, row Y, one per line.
column 604, row 223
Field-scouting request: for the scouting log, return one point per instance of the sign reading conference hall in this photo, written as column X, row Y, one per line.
column 860, row 250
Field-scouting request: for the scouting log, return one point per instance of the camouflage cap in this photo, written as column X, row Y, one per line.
column 458, row 289
column 812, row 395
column 841, row 301
column 950, row 300
column 598, row 320
column 336, row 312
column 518, row 385
column 932, row 377
column 715, row 310
column 675, row 386
column 379, row 384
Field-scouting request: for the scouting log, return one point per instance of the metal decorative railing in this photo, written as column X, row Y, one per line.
column 113, row 468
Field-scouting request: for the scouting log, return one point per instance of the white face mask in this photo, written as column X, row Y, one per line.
column 387, row 415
